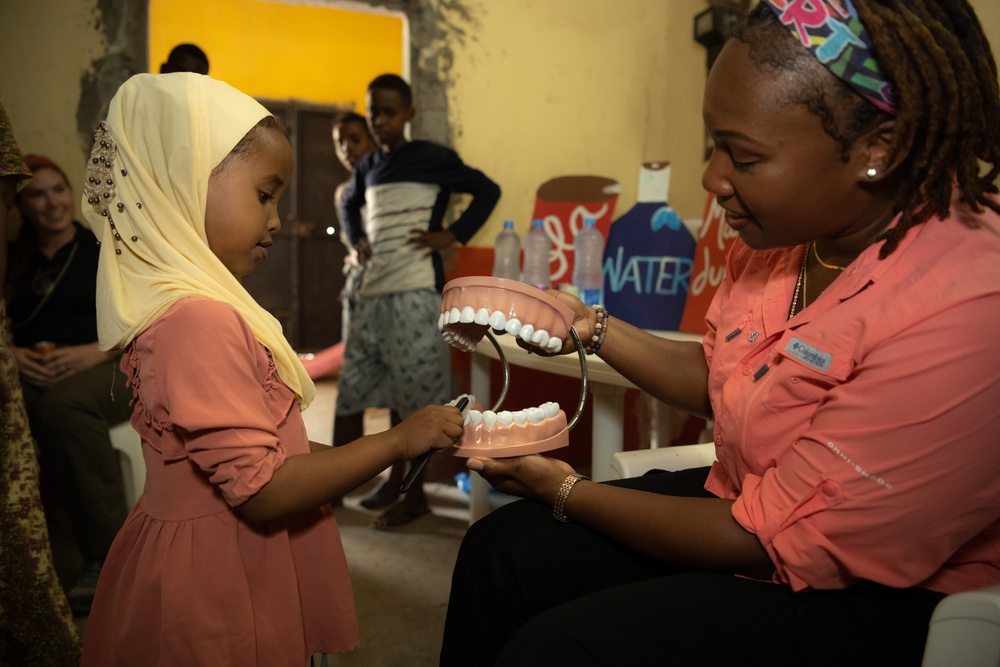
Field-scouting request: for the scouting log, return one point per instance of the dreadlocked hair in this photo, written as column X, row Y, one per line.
column 945, row 80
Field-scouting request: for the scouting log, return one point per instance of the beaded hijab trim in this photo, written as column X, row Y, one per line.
column 99, row 185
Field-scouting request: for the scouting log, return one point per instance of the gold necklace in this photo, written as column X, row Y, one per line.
column 800, row 285
column 821, row 262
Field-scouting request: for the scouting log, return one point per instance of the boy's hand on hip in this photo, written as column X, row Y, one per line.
column 432, row 241
column 364, row 250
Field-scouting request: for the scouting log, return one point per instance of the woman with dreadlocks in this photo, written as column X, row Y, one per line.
column 850, row 369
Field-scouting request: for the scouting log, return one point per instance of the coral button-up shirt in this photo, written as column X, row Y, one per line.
column 861, row 438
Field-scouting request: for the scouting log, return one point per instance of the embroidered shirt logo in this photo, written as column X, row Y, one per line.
column 809, row 355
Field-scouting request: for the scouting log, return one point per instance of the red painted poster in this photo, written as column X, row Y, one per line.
column 714, row 239
column 563, row 203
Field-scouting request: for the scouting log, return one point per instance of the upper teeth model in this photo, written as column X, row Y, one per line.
column 471, row 306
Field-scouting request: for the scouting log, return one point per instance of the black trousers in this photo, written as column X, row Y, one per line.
column 528, row 590
column 70, row 423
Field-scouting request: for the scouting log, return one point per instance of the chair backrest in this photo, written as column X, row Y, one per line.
column 127, row 442
column 637, row 462
column 965, row 630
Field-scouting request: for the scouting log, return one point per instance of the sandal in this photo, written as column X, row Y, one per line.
column 382, row 497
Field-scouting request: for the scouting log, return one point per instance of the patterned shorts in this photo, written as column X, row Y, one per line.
column 394, row 356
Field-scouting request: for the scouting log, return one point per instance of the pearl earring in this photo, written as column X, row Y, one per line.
column 872, row 172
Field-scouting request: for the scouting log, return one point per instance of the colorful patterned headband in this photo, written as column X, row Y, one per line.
column 832, row 32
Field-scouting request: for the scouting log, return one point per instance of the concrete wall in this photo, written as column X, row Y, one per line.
column 545, row 89
column 46, row 47
column 524, row 89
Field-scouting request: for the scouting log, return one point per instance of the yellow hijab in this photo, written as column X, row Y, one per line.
column 144, row 198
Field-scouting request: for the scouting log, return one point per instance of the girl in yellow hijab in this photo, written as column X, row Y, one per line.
column 232, row 554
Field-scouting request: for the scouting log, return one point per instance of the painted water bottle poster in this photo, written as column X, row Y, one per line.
column 563, row 203
column 648, row 257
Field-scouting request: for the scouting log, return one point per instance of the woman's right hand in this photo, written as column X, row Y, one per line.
column 434, row 427
column 32, row 367
column 534, row 477
column 584, row 318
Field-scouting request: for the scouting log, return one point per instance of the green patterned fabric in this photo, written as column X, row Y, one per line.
column 36, row 626
column 11, row 160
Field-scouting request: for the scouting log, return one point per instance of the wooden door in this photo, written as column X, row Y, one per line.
column 301, row 279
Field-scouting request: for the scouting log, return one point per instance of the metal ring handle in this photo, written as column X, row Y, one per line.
column 583, row 374
column 581, row 403
column 506, row 371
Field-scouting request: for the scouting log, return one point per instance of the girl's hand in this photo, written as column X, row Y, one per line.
column 434, row 427
column 533, row 477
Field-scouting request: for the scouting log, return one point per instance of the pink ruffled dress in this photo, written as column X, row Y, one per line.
column 189, row 581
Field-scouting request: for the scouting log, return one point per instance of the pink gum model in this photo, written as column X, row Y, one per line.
column 514, row 440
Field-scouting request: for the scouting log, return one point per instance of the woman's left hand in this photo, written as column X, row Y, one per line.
column 533, row 477
column 70, row 360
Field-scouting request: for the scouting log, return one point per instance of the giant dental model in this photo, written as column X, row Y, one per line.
column 471, row 306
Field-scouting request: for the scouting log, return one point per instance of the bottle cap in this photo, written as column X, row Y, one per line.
column 508, row 224
column 589, row 222
column 537, row 222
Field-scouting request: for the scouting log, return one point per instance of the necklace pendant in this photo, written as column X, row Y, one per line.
column 753, row 336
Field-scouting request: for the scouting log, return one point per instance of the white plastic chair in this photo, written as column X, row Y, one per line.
column 128, row 444
column 964, row 628
column 637, row 462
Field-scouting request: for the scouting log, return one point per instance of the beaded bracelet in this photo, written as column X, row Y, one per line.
column 600, row 330
column 559, row 508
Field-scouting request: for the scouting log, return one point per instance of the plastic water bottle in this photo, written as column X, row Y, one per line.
column 588, row 270
column 536, row 257
column 507, row 253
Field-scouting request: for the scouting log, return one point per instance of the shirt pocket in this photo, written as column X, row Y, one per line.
column 806, row 369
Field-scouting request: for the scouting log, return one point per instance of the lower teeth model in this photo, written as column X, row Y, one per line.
column 513, row 433
column 469, row 308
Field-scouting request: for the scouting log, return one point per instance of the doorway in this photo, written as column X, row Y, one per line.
column 301, row 280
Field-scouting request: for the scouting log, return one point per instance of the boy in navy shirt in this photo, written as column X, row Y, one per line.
column 394, row 356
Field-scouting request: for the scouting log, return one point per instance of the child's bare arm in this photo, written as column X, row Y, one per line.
column 309, row 480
